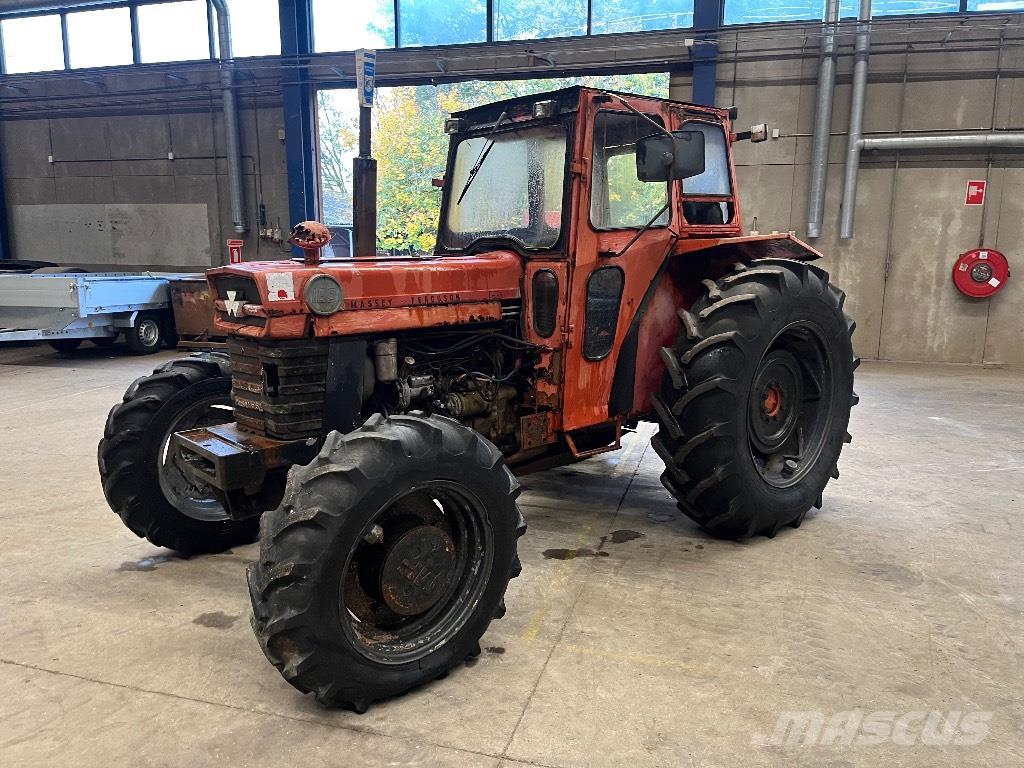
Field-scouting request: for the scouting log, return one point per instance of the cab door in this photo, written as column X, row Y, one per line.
column 608, row 283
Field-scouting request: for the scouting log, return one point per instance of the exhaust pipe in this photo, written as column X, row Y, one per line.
column 230, row 107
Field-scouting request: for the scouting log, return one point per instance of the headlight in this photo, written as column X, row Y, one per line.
column 323, row 295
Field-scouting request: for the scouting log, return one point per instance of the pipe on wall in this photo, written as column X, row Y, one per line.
column 861, row 51
column 231, row 130
column 822, row 120
column 995, row 140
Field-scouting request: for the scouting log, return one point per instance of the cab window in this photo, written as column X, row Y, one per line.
column 714, row 182
column 618, row 200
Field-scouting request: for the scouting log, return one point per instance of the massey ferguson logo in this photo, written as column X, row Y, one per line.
column 233, row 305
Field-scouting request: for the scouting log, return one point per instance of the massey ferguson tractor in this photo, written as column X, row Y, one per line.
column 370, row 416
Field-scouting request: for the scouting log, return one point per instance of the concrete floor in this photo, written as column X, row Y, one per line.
column 655, row 646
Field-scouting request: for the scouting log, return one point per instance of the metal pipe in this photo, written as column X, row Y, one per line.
column 822, row 120
column 861, row 50
column 230, row 107
column 996, row 140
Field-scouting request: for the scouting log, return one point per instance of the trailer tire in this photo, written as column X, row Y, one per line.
column 65, row 346
column 150, row 496
column 146, row 334
column 756, row 399
column 329, row 610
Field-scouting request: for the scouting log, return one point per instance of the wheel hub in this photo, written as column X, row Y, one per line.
column 775, row 399
column 417, row 570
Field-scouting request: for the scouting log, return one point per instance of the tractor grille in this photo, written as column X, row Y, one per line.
column 278, row 387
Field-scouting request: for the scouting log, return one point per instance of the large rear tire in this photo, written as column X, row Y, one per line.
column 141, row 482
column 756, row 399
column 386, row 560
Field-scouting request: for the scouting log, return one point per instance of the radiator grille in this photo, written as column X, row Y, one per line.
column 278, row 387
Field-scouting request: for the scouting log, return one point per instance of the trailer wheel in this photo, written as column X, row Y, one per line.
column 386, row 560
column 756, row 398
column 142, row 483
column 146, row 335
column 65, row 346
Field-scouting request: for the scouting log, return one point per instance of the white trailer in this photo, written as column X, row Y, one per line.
column 64, row 309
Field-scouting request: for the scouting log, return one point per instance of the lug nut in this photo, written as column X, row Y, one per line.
column 789, row 467
column 375, row 536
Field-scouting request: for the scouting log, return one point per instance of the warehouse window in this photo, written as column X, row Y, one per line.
column 33, row 44
column 995, row 5
column 758, row 12
column 442, row 22
column 536, row 19
column 255, row 28
column 100, row 38
column 174, row 31
column 348, row 26
column 904, row 7
column 615, row 16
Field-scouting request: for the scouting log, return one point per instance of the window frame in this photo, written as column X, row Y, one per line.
column 568, row 121
column 729, row 199
column 590, row 208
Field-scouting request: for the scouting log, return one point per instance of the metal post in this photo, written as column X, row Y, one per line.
column 299, row 109
column 231, row 129
column 860, row 83
column 707, row 17
column 822, row 121
column 364, row 192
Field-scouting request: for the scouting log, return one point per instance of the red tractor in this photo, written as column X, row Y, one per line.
column 590, row 272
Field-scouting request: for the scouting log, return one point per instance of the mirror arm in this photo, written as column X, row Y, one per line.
column 642, row 229
column 638, row 113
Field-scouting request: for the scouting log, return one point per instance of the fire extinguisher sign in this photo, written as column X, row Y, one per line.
column 235, row 251
column 975, row 193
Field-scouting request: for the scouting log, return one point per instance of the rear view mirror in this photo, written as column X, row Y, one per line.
column 660, row 157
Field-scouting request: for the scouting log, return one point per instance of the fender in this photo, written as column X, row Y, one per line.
column 715, row 257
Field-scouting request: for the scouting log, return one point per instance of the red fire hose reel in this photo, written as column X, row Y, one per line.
column 980, row 273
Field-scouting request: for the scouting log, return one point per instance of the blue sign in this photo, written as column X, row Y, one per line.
column 366, row 66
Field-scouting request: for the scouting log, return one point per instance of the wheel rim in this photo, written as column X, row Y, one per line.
column 412, row 580
column 149, row 332
column 197, row 502
column 790, row 405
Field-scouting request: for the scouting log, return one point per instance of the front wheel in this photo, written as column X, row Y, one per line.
column 756, row 398
column 386, row 560
column 142, row 482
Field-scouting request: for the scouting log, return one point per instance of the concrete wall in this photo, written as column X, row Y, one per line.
column 109, row 140
column 911, row 221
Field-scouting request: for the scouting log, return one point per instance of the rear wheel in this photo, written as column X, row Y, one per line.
column 146, row 335
column 143, row 484
column 756, row 399
column 387, row 559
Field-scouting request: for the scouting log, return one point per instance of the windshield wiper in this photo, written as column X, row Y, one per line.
column 480, row 158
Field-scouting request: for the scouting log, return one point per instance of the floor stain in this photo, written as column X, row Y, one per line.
column 621, row 537
column 215, row 620
column 498, row 649
column 572, row 554
column 146, row 564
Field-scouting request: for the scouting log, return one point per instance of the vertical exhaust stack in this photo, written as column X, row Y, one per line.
column 364, row 167
column 822, row 120
column 853, row 147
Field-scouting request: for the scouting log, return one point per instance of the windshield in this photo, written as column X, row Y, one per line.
column 517, row 192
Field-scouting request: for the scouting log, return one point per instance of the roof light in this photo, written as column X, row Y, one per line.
column 546, row 108
column 454, row 125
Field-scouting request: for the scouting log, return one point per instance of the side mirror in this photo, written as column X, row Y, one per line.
column 660, row 157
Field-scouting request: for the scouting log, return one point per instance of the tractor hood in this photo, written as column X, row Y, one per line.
column 266, row 299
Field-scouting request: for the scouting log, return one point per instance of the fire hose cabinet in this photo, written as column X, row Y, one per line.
column 980, row 273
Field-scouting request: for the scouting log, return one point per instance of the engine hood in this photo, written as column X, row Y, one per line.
column 266, row 298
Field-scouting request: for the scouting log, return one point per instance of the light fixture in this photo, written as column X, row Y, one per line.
column 454, row 125
column 545, row 108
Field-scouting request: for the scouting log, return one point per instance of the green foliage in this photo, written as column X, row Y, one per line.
column 411, row 147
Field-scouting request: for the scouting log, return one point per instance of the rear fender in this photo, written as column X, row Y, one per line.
column 640, row 369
